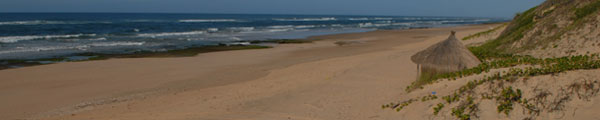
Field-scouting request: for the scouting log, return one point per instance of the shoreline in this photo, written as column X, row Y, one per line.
column 219, row 74
column 185, row 52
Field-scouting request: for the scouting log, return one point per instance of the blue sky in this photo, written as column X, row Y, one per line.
column 470, row 8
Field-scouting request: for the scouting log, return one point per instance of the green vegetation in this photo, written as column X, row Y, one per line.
column 487, row 32
column 514, row 32
column 558, row 65
column 490, row 53
column 547, row 12
column 586, row 10
column 451, row 98
column 437, row 109
column 426, row 77
column 398, row 106
column 465, row 109
column 507, row 98
column 497, row 54
column 501, row 61
column 344, row 43
column 548, row 65
column 578, row 19
column 429, row 97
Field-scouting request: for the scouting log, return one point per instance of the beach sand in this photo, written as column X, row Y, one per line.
column 319, row 80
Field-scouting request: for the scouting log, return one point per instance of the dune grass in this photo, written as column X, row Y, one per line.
column 509, row 96
column 494, row 54
column 487, row 32
column 514, row 32
column 586, row 10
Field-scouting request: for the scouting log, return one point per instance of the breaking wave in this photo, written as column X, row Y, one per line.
column 307, row 19
column 357, row 19
column 171, row 34
column 13, row 39
column 77, row 47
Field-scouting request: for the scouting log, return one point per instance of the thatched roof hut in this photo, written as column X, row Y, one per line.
column 449, row 55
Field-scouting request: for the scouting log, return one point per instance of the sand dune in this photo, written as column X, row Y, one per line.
column 319, row 80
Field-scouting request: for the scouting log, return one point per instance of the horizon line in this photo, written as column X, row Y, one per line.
column 246, row 14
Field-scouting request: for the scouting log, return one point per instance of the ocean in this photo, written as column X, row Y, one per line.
column 47, row 35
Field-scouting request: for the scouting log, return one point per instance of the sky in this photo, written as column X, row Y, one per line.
column 463, row 8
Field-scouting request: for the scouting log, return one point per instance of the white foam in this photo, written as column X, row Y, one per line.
column 337, row 25
column 13, row 39
column 358, row 19
column 242, row 28
column 78, row 47
column 98, row 39
column 482, row 20
column 411, row 18
column 434, row 22
column 305, row 26
column 447, row 21
column 365, row 25
column 291, row 26
column 239, row 43
column 208, row 20
column 308, row 19
column 34, row 22
column 235, row 38
column 382, row 25
column 110, row 44
column 213, row 29
column 385, row 22
column 170, row 34
column 280, row 26
column 379, row 18
column 146, row 20
column 279, row 30
column 29, row 50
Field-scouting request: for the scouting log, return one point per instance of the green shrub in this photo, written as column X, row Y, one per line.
column 437, row 109
column 484, row 32
column 519, row 26
column 398, row 106
column 506, row 99
column 587, row 10
column 451, row 98
column 465, row 110
column 428, row 97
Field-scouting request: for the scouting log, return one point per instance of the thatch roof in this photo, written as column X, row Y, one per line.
column 447, row 56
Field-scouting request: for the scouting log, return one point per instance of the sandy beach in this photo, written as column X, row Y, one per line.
column 312, row 81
